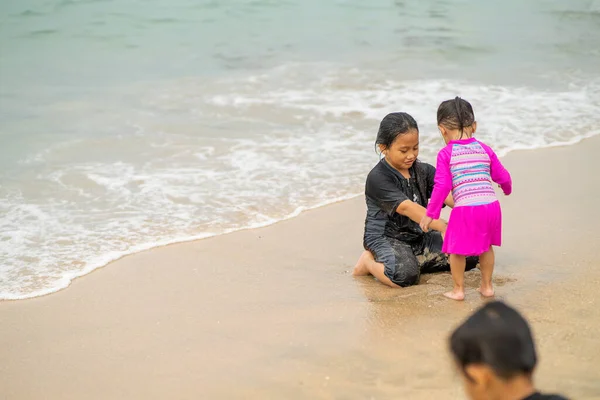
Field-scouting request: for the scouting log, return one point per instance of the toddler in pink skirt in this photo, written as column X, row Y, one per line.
column 467, row 167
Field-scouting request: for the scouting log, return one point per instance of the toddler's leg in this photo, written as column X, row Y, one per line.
column 486, row 266
column 457, row 267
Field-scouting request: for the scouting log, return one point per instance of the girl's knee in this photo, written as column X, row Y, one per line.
column 406, row 275
column 410, row 280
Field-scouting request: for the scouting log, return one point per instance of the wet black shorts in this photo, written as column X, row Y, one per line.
column 404, row 262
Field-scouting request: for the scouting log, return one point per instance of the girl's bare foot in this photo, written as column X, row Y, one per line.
column 486, row 291
column 456, row 295
column 361, row 269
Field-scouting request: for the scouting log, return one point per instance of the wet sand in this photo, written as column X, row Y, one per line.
column 274, row 313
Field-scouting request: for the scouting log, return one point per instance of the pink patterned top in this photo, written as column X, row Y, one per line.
column 467, row 167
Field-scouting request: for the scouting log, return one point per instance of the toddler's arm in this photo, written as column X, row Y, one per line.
column 443, row 184
column 499, row 174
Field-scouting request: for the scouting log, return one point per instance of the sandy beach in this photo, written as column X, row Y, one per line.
column 274, row 313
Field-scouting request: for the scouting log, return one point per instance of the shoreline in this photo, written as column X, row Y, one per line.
column 173, row 242
column 274, row 312
column 111, row 258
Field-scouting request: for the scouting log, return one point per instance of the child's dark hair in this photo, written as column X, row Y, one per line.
column 394, row 125
column 498, row 336
column 455, row 114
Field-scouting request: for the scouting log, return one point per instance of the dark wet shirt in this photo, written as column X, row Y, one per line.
column 385, row 189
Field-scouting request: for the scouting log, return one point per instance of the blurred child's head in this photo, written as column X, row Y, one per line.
column 492, row 348
column 456, row 119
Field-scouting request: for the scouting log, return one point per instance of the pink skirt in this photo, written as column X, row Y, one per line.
column 473, row 229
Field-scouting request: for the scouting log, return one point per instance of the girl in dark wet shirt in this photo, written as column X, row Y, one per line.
column 397, row 190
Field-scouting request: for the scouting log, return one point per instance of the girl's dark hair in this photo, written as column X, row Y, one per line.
column 498, row 336
column 394, row 125
column 455, row 114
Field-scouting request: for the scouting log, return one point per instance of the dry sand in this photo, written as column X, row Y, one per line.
column 274, row 313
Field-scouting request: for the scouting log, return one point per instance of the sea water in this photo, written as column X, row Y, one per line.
column 129, row 124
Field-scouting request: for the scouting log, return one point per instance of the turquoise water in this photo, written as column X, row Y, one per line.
column 129, row 124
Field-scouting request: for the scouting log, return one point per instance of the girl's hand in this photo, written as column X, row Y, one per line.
column 425, row 222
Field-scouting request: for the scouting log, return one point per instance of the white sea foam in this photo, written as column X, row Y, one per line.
column 186, row 160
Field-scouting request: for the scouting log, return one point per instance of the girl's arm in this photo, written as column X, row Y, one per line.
column 416, row 212
column 384, row 191
column 498, row 173
column 430, row 179
column 443, row 184
column 449, row 201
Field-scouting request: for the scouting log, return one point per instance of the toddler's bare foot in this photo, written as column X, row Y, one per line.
column 360, row 269
column 486, row 291
column 456, row 295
